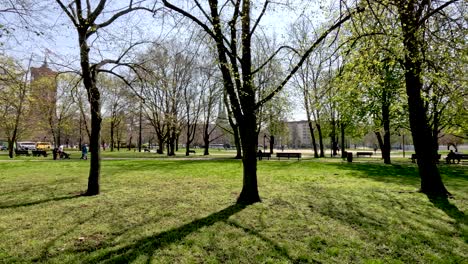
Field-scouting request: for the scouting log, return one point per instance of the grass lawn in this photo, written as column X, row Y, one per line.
column 183, row 211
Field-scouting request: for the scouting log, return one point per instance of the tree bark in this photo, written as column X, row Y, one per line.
column 431, row 181
column 111, row 136
column 249, row 135
column 312, row 134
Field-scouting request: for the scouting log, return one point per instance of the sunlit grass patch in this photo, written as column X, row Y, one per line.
column 183, row 211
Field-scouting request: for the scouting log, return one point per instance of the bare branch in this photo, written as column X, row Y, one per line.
column 193, row 18
column 306, row 55
column 70, row 15
column 265, row 5
column 438, row 9
column 273, row 56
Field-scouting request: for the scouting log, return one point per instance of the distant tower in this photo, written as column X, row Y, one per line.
column 44, row 98
column 43, row 71
column 222, row 119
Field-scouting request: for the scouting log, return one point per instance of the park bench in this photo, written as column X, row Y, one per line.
column 457, row 156
column 19, row 152
column 364, row 153
column 288, row 155
column 38, row 153
column 261, row 155
column 414, row 158
column 191, row 151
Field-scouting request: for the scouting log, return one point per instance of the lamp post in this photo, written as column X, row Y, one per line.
column 264, row 138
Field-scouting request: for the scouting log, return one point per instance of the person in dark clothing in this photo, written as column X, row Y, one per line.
column 84, row 152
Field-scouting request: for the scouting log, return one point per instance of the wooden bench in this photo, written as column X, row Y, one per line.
column 364, row 153
column 19, row 152
column 191, row 151
column 288, row 155
column 457, row 156
column 38, row 153
column 414, row 158
column 261, row 155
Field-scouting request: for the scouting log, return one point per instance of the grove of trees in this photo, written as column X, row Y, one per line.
column 180, row 69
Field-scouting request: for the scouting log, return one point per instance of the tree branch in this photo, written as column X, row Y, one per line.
column 306, row 55
column 265, row 5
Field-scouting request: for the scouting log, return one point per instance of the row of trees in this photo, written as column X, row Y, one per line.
column 375, row 63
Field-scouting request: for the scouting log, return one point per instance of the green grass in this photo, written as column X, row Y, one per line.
column 183, row 211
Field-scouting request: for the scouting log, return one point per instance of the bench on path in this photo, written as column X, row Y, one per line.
column 261, row 155
column 414, row 157
column 19, row 152
column 457, row 156
column 288, row 155
column 38, row 153
column 364, row 153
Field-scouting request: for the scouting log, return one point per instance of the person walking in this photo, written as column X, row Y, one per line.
column 84, row 152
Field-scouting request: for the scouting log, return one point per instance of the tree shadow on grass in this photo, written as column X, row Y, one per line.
column 147, row 245
column 452, row 211
column 280, row 250
column 61, row 198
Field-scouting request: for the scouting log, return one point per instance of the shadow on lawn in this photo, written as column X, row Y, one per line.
column 396, row 173
column 146, row 246
column 41, row 201
column 452, row 211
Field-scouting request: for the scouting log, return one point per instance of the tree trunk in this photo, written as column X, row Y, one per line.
column 237, row 140
column 112, row 136
column 386, row 126
column 129, row 145
column 387, row 144
column 94, row 99
column 381, row 142
column 206, row 140
column 11, row 147
column 334, row 143
column 272, row 144
column 160, row 149
column 312, row 134
column 249, row 135
column 95, row 150
column 431, row 181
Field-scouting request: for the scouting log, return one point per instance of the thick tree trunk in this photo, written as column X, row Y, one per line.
column 95, row 150
column 431, row 181
column 249, row 135
column 387, row 145
column 160, row 149
column 206, row 141
column 272, row 144
column 385, row 148
column 94, row 99
column 11, row 147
